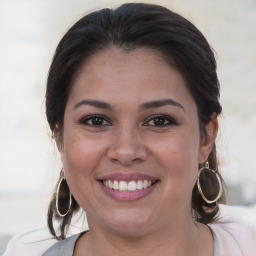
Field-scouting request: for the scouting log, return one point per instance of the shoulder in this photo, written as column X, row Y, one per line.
column 64, row 247
column 36, row 242
column 236, row 230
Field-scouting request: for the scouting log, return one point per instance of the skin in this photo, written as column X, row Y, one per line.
column 130, row 140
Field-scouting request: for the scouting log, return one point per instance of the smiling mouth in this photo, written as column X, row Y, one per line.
column 131, row 186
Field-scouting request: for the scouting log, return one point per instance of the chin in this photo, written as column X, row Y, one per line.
column 129, row 223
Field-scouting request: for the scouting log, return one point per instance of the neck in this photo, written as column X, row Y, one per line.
column 177, row 239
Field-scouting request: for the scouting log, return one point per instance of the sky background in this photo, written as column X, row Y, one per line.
column 29, row 160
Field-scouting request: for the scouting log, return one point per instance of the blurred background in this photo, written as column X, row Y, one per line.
column 29, row 161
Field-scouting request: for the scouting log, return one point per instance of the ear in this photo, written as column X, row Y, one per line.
column 209, row 139
column 57, row 137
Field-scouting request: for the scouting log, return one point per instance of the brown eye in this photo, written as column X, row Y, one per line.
column 95, row 120
column 161, row 121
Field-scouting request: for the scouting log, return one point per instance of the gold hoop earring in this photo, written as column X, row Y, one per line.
column 62, row 179
column 209, row 180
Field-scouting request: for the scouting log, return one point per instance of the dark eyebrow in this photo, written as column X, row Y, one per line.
column 94, row 103
column 161, row 103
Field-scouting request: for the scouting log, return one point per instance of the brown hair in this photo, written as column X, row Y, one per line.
column 128, row 27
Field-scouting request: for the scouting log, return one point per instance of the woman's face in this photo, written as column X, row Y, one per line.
column 131, row 142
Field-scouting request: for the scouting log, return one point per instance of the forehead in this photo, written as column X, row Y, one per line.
column 119, row 60
column 136, row 74
column 115, row 61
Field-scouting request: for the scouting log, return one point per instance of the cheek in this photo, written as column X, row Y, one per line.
column 80, row 159
column 79, row 152
column 179, row 158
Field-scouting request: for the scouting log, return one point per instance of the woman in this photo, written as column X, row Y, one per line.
column 133, row 102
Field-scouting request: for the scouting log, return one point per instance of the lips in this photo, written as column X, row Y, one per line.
column 127, row 187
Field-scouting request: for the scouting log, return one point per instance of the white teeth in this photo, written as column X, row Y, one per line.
column 145, row 184
column 127, row 186
column 115, row 185
column 131, row 186
column 123, row 185
column 110, row 184
column 139, row 184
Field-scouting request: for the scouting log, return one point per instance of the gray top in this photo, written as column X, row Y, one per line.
column 66, row 246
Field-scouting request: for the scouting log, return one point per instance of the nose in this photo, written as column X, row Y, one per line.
column 127, row 147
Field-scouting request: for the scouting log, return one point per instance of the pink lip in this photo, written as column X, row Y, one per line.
column 118, row 176
column 127, row 196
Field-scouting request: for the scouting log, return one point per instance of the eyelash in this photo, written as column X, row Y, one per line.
column 87, row 119
column 168, row 121
column 164, row 120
